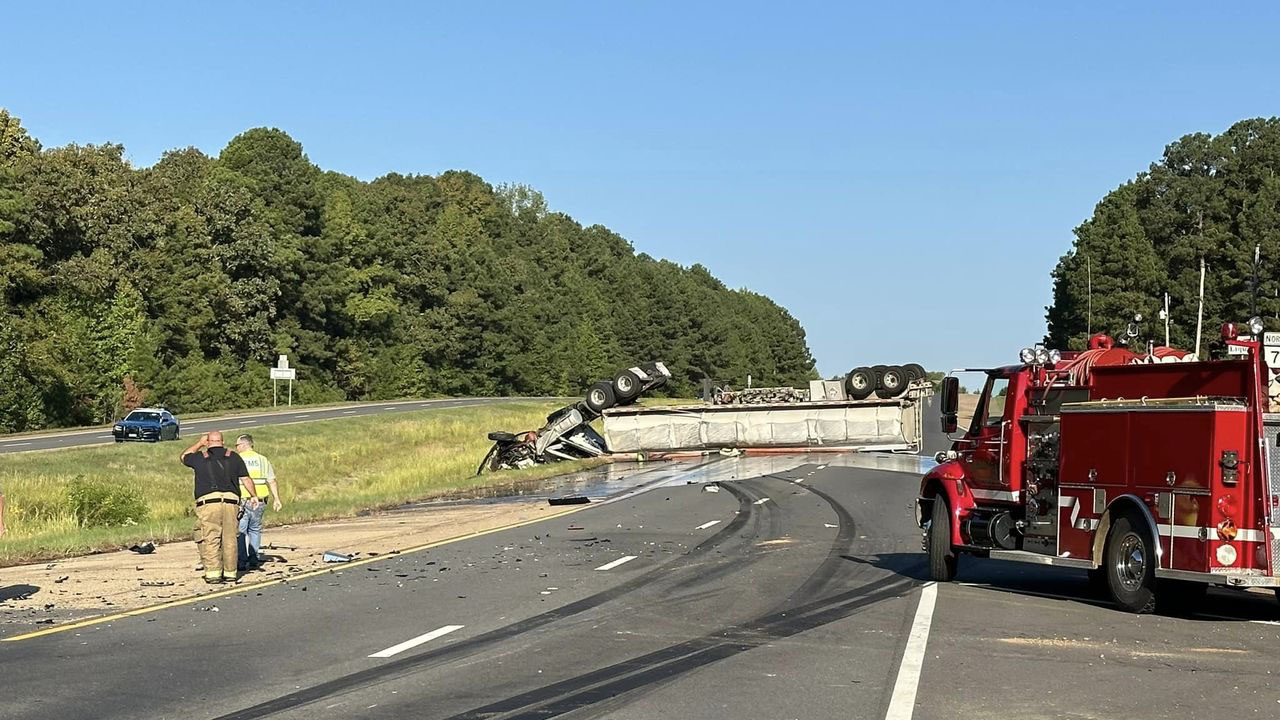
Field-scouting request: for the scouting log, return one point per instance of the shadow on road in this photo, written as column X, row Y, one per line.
column 1071, row 585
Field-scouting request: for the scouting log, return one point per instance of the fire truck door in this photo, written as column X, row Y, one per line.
column 985, row 462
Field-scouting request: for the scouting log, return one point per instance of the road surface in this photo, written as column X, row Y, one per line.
column 191, row 429
column 797, row 590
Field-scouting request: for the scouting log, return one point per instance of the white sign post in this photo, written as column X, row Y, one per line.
column 282, row 371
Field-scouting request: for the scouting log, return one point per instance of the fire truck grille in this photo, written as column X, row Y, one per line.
column 1271, row 432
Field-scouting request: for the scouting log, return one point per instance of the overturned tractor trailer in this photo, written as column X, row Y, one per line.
column 1157, row 473
column 825, row 421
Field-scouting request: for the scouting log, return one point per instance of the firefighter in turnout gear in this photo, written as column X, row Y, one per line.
column 219, row 475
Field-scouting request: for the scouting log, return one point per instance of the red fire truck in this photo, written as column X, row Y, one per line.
column 1157, row 473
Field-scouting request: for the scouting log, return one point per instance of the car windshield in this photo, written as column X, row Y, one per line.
column 143, row 416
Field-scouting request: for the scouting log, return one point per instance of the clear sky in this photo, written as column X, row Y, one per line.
column 902, row 180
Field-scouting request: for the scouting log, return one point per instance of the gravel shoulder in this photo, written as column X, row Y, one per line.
column 117, row 581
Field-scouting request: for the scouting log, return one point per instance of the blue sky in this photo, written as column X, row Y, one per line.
column 902, row 178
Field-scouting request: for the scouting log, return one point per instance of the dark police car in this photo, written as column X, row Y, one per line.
column 151, row 424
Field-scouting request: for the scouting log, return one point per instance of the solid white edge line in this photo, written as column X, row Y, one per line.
column 616, row 563
column 415, row 642
column 706, row 525
column 902, row 703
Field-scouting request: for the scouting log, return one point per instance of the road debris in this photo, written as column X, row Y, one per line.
column 63, row 579
column 571, row 500
column 711, row 488
column 333, row 556
column 145, row 548
column 273, row 546
column 156, row 583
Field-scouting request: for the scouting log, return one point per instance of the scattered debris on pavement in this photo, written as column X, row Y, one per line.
column 145, row 548
column 332, row 556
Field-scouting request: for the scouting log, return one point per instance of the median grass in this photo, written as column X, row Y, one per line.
column 326, row 469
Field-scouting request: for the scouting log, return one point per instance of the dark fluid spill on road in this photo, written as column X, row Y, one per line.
column 618, row 478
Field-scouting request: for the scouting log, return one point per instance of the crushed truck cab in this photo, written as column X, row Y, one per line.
column 1152, row 471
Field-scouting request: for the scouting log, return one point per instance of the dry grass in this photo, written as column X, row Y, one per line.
column 326, row 469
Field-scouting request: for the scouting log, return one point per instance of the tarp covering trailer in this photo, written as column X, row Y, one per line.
column 872, row 424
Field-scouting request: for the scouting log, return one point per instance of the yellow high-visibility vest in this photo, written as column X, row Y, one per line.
column 260, row 471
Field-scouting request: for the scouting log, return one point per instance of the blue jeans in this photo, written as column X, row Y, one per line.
column 249, row 540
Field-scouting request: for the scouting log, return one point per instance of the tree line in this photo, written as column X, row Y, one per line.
column 179, row 283
column 1215, row 198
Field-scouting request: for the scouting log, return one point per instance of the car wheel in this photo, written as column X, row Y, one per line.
column 119, row 440
column 626, row 386
column 942, row 557
column 600, row 396
column 893, row 382
column 860, row 383
column 1130, row 564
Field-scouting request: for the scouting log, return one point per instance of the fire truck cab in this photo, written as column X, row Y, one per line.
column 1151, row 471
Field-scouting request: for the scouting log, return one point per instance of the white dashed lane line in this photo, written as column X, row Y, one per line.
column 415, row 642
column 706, row 525
column 616, row 563
column 348, row 412
column 8, row 445
column 761, row 501
column 902, row 703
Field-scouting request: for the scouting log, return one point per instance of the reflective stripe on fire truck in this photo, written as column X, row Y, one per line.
column 1065, row 501
column 1195, row 532
column 994, row 494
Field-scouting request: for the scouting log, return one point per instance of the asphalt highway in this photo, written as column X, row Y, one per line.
column 796, row 590
column 191, row 429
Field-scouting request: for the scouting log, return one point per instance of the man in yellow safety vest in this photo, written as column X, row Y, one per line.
column 263, row 476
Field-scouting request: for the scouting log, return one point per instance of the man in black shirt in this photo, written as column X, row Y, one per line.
column 219, row 473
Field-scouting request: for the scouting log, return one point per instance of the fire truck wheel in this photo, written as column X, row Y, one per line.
column 600, row 396
column 1130, row 566
column 893, row 381
column 860, row 383
column 942, row 557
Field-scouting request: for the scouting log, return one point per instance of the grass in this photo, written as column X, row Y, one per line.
column 325, row 469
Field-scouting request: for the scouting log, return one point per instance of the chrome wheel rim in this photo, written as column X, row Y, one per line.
column 1131, row 563
column 597, row 397
column 858, row 382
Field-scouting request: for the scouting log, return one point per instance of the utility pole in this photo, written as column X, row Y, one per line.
column 1165, row 315
column 1200, row 312
column 1088, row 264
column 1257, row 256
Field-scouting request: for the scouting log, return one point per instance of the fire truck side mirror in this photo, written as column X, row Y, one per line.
column 950, row 403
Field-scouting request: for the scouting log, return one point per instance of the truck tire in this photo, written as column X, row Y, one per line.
column 626, row 387
column 942, row 557
column 915, row 372
column 893, row 382
column 860, row 383
column 600, row 396
column 1129, row 561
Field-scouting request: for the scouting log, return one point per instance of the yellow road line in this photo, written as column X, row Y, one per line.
column 268, row 583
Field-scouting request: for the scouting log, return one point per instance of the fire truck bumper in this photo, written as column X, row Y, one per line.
column 1230, row 579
